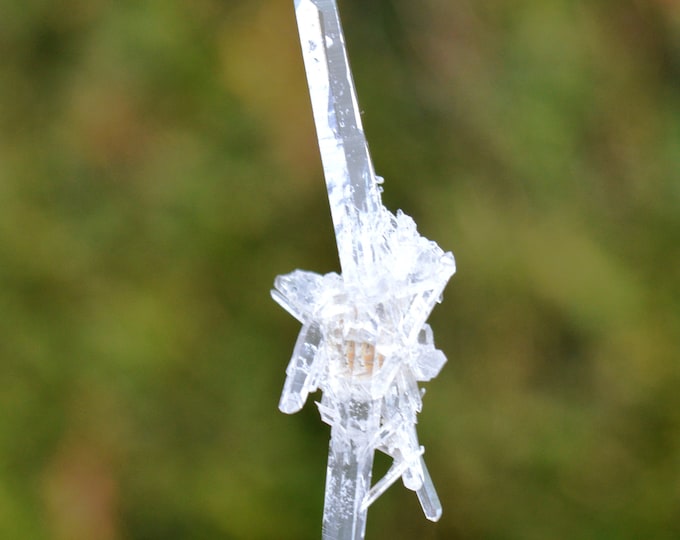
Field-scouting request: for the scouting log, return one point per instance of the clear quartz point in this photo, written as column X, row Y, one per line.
column 364, row 341
column 428, row 497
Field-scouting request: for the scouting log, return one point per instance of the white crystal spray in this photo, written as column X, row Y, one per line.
column 364, row 340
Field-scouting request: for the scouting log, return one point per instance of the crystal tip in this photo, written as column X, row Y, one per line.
column 290, row 404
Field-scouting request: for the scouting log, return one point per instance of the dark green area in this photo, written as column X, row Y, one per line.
column 158, row 169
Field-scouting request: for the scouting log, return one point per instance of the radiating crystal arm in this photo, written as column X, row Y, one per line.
column 353, row 190
column 427, row 495
column 300, row 371
column 392, row 475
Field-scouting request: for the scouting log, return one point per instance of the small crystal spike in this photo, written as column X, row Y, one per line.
column 364, row 341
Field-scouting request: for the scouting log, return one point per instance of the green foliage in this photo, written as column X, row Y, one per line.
column 158, row 168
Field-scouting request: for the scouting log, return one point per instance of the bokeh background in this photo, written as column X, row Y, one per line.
column 158, row 168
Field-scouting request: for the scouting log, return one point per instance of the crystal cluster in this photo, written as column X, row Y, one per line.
column 366, row 345
column 364, row 341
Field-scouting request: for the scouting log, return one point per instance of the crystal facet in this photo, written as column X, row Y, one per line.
column 364, row 340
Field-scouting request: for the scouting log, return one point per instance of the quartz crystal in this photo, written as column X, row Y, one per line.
column 364, row 340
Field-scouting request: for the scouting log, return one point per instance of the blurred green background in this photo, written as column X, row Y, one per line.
column 158, row 168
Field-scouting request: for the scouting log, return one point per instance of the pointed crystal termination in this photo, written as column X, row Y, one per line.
column 364, row 341
column 427, row 495
column 300, row 379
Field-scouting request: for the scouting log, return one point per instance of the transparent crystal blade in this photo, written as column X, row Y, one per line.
column 353, row 190
column 427, row 495
column 348, row 476
column 300, row 379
